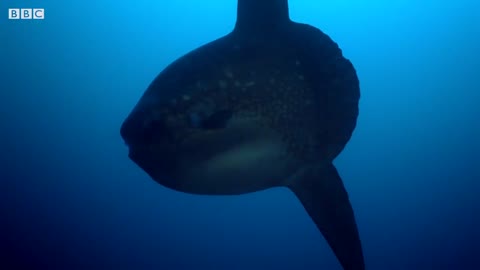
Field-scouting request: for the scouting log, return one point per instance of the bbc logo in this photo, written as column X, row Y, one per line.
column 26, row 13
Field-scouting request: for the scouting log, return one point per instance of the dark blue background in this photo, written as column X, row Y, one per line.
column 70, row 197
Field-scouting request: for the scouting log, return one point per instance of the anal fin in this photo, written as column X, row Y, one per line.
column 321, row 191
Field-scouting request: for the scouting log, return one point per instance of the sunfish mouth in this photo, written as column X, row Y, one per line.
column 159, row 164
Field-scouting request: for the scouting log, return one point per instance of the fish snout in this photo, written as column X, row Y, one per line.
column 141, row 129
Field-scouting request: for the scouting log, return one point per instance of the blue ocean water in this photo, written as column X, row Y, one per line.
column 71, row 199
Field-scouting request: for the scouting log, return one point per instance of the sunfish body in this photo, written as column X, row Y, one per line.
column 271, row 104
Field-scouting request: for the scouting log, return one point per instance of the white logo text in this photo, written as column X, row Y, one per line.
column 26, row 13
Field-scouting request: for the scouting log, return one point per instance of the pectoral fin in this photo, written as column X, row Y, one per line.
column 321, row 191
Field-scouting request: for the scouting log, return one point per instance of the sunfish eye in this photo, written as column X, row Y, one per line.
column 217, row 120
column 195, row 120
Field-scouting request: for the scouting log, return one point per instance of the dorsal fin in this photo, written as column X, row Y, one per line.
column 261, row 16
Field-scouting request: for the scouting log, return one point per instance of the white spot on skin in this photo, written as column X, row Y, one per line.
column 228, row 73
column 222, row 84
column 250, row 83
column 199, row 85
column 301, row 77
column 297, row 62
column 237, row 84
column 186, row 97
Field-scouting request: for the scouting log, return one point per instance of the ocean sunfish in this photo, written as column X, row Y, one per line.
column 270, row 104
